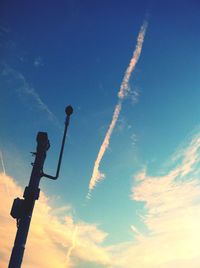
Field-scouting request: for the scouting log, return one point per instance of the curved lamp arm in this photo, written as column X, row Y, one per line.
column 68, row 111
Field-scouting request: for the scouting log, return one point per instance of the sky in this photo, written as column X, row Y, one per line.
column 128, row 194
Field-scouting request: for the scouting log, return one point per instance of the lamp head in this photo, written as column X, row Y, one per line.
column 69, row 110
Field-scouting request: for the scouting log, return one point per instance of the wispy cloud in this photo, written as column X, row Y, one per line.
column 123, row 92
column 69, row 253
column 38, row 61
column 4, row 172
column 2, row 162
column 50, row 234
column 170, row 216
column 23, row 88
column 135, row 95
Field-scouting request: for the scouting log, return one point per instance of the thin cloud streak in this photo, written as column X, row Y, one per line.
column 97, row 175
column 69, row 253
column 2, row 163
column 23, row 88
column 4, row 172
column 123, row 92
column 124, row 88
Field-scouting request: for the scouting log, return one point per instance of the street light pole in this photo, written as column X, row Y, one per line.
column 22, row 209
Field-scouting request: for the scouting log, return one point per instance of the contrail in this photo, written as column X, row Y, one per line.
column 123, row 92
column 73, row 244
column 25, row 89
column 2, row 163
column 97, row 175
column 4, row 172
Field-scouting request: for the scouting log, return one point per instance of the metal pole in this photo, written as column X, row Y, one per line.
column 22, row 209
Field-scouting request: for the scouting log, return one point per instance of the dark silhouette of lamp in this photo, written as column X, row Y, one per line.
column 22, row 209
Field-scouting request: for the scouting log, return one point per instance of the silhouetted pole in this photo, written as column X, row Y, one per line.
column 22, row 209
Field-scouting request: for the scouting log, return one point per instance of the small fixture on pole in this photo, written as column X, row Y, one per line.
column 22, row 209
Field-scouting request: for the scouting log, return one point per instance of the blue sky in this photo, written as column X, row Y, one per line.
column 76, row 52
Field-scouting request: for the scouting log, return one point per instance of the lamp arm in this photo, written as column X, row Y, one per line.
column 69, row 111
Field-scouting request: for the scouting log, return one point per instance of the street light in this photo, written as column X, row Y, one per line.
column 22, row 209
